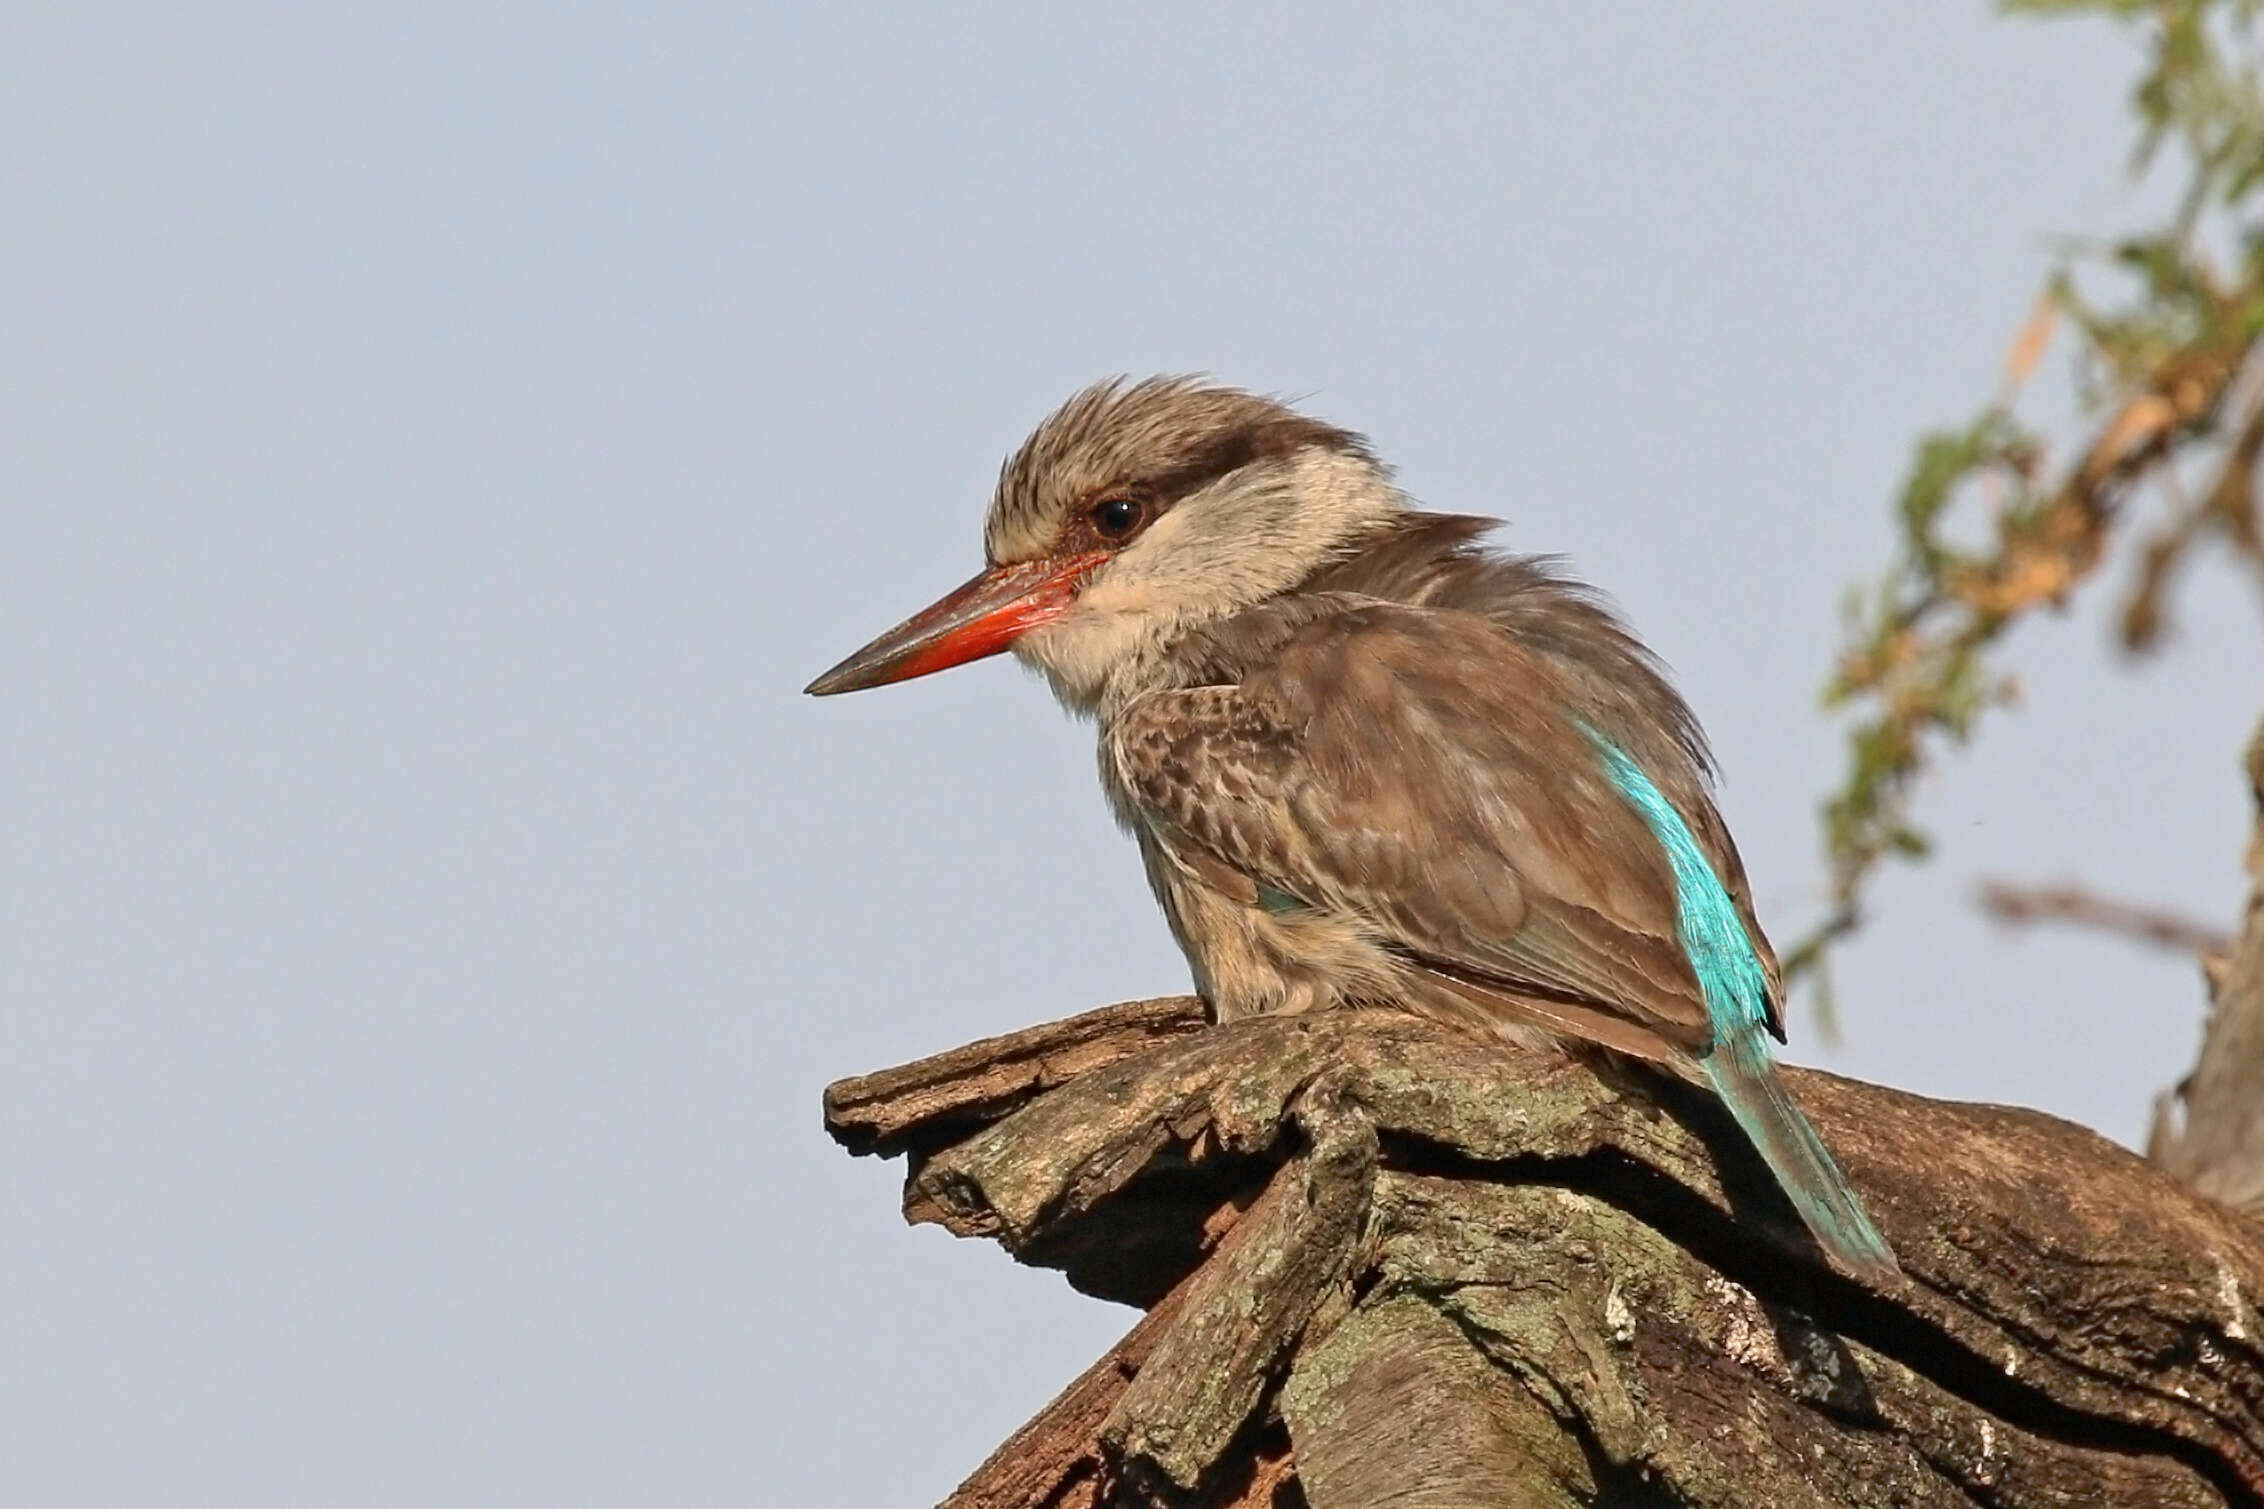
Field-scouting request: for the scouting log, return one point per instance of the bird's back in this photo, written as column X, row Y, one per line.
column 1412, row 742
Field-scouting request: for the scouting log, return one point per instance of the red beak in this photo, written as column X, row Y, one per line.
column 982, row 618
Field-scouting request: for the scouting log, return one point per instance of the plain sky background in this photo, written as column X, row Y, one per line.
column 437, row 443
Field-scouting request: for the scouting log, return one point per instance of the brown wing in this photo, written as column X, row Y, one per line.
column 1411, row 769
column 1435, row 561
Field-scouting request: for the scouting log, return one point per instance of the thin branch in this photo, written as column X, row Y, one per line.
column 2017, row 905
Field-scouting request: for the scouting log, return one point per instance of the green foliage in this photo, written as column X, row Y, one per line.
column 2166, row 368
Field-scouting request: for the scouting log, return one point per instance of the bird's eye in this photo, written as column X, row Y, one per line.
column 1118, row 518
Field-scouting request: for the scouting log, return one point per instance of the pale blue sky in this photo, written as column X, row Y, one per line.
column 440, row 441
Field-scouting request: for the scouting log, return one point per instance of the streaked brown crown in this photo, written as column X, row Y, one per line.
column 1157, row 440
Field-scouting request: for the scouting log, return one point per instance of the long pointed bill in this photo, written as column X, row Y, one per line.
column 982, row 618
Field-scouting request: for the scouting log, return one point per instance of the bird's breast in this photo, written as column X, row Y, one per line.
column 1253, row 950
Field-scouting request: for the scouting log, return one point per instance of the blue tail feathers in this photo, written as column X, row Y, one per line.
column 1739, row 1064
column 1748, row 1083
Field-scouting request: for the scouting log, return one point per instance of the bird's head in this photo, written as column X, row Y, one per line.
column 1134, row 513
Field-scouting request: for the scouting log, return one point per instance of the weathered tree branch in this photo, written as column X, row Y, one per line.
column 2217, row 1144
column 1387, row 1262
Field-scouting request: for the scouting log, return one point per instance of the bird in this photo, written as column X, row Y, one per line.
column 1369, row 761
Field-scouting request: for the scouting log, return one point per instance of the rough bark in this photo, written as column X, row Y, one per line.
column 1387, row 1262
column 2212, row 1136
